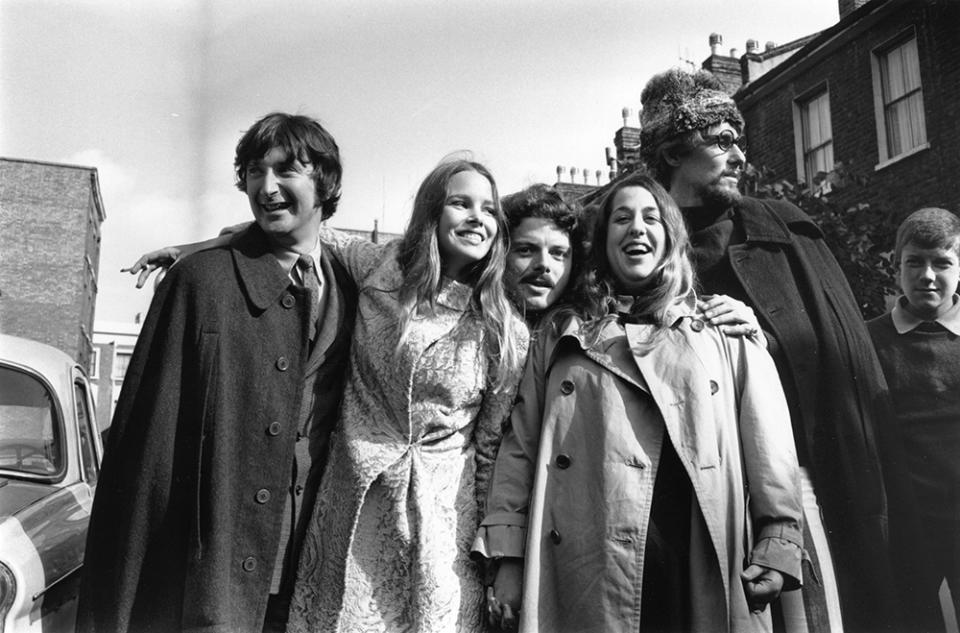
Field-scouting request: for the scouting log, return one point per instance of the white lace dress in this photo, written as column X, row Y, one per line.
column 388, row 547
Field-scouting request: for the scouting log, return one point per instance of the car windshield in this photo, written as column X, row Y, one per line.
column 29, row 433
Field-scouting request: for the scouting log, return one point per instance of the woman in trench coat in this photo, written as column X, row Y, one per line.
column 647, row 480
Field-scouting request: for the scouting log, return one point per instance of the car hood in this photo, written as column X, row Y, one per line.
column 15, row 495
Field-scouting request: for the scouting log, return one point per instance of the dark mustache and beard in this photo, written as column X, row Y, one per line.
column 717, row 196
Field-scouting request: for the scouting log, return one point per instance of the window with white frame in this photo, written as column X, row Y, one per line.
column 898, row 95
column 93, row 371
column 120, row 363
column 816, row 136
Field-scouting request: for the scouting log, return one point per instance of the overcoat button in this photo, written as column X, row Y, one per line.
column 249, row 564
column 555, row 537
column 274, row 428
column 263, row 495
column 563, row 461
column 566, row 387
column 288, row 301
column 696, row 325
column 714, row 387
column 282, row 363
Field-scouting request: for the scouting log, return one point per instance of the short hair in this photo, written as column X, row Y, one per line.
column 597, row 288
column 930, row 227
column 301, row 137
column 545, row 202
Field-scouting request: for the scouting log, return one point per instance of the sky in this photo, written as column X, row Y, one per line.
column 156, row 94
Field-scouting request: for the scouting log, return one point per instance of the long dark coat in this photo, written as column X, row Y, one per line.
column 803, row 300
column 186, row 522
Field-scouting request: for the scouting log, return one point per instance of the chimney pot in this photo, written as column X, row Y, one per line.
column 598, row 174
column 560, row 170
column 716, row 41
column 752, row 46
column 770, row 45
column 573, row 174
column 734, row 52
column 625, row 113
column 586, row 175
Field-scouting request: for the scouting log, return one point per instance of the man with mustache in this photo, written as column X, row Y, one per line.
column 771, row 255
column 546, row 242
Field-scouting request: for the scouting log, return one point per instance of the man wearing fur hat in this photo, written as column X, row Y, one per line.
column 771, row 256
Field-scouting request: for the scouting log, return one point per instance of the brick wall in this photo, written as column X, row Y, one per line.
column 925, row 178
column 49, row 253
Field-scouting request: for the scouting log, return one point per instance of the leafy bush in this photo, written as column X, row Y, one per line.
column 860, row 236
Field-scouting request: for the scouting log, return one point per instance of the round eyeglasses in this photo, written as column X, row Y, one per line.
column 725, row 140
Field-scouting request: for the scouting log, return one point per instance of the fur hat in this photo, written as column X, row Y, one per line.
column 677, row 101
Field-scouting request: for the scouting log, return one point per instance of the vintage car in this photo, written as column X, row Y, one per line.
column 50, row 451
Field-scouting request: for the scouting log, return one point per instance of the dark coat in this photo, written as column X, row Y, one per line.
column 186, row 522
column 803, row 301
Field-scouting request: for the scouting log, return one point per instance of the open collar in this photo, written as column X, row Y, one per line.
column 904, row 321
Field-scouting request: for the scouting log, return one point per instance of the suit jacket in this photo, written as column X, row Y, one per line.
column 186, row 522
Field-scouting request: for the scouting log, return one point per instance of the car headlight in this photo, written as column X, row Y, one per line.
column 8, row 591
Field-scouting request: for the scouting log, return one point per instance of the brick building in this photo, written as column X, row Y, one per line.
column 878, row 92
column 50, row 217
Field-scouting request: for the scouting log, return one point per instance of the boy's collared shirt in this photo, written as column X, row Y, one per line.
column 904, row 321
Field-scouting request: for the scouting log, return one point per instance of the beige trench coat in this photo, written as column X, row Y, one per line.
column 573, row 480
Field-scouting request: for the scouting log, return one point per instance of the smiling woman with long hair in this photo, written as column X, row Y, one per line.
column 434, row 363
column 618, row 500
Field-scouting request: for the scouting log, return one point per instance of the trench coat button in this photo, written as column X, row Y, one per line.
column 555, row 537
column 298, row 490
column 249, row 563
column 288, row 301
column 696, row 325
column 714, row 387
column 282, row 363
column 274, row 428
column 563, row 461
column 262, row 496
column 566, row 387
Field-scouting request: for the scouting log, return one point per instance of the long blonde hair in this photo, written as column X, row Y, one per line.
column 422, row 266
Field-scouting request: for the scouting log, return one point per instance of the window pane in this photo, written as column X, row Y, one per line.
column 120, row 366
column 88, row 455
column 895, row 87
column 903, row 97
column 29, row 430
column 911, row 66
column 817, row 136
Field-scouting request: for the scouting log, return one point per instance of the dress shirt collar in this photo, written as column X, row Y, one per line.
column 905, row 321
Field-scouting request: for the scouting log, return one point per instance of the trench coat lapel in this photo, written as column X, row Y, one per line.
column 596, row 340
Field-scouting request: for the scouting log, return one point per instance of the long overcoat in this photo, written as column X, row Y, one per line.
column 186, row 522
column 804, row 302
column 398, row 509
column 573, row 481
